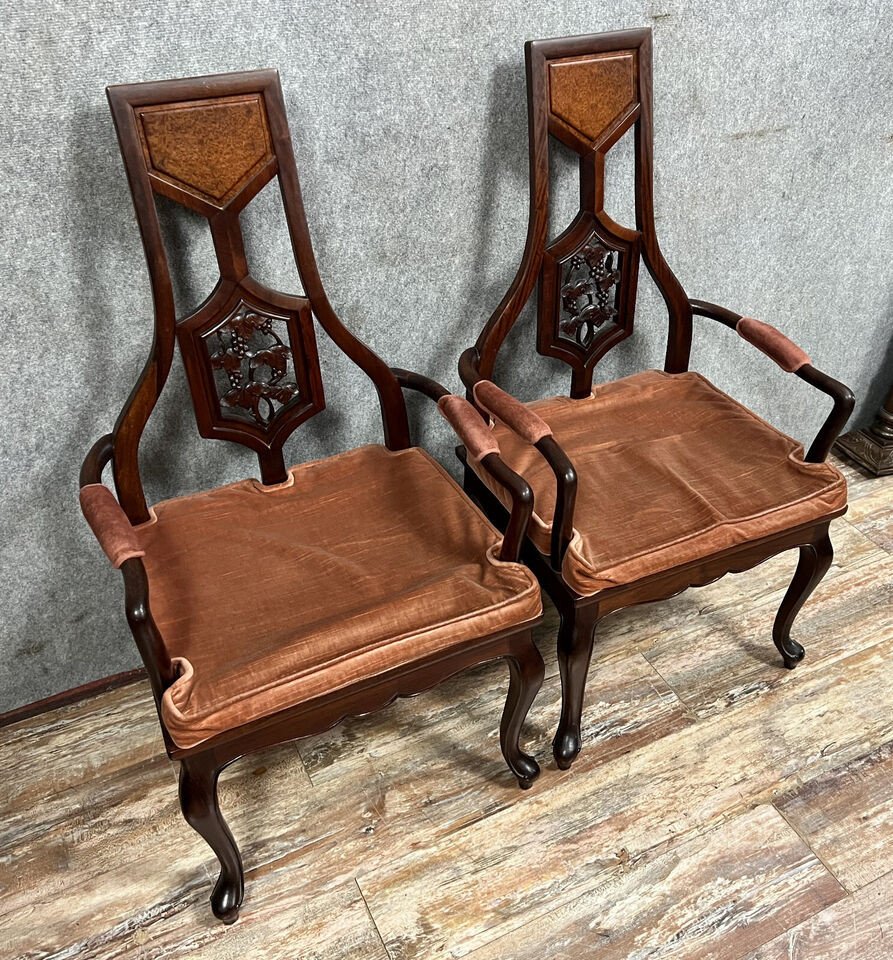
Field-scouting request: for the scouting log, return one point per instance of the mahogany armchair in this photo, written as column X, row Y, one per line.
column 647, row 485
column 269, row 610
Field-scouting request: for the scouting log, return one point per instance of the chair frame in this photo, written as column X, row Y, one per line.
column 200, row 766
column 580, row 615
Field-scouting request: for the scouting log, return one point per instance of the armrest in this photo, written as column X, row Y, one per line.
column 482, row 447
column 110, row 524
column 791, row 359
column 526, row 424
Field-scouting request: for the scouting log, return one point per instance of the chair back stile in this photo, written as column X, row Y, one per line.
column 211, row 144
column 587, row 92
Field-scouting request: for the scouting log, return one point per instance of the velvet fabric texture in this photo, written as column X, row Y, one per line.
column 360, row 563
column 773, row 343
column 669, row 470
column 109, row 523
column 469, row 426
column 510, row 411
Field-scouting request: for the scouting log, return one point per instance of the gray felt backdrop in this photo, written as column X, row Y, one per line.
column 773, row 196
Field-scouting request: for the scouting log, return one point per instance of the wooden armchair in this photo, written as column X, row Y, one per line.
column 268, row 610
column 659, row 481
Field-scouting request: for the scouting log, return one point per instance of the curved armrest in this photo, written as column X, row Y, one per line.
column 110, row 524
column 527, row 425
column 791, row 359
column 482, row 447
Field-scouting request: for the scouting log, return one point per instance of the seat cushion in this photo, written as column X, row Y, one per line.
column 669, row 470
column 269, row 597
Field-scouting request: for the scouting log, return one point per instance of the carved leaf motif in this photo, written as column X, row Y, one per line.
column 247, row 342
column 589, row 280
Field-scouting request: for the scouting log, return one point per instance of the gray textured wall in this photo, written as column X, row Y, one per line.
column 773, row 193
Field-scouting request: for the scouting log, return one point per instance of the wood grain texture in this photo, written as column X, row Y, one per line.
column 208, row 150
column 847, row 817
column 589, row 93
column 714, row 896
column 857, row 928
column 659, row 842
column 872, row 514
column 633, row 802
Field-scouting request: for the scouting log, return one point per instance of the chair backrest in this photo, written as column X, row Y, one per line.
column 587, row 92
column 211, row 144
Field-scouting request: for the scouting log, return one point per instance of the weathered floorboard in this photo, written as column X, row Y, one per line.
column 714, row 896
column 847, row 817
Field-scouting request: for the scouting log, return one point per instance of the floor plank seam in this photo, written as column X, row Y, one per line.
column 384, row 946
column 805, row 838
column 687, row 710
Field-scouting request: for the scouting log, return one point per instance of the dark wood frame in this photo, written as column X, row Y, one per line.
column 202, row 765
column 580, row 615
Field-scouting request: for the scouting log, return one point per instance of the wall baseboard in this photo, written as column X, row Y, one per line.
column 66, row 697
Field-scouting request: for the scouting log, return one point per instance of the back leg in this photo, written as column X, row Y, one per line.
column 815, row 559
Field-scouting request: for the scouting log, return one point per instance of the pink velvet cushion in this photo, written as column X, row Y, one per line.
column 773, row 343
column 109, row 523
column 669, row 470
column 510, row 411
column 469, row 426
column 361, row 563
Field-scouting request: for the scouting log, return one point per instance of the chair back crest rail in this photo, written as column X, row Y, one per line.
column 587, row 92
column 211, row 144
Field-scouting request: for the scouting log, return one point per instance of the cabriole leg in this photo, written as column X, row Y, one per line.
column 575, row 639
column 815, row 559
column 526, row 670
column 198, row 801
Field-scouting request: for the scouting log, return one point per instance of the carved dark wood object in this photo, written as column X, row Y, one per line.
column 872, row 447
column 210, row 144
column 587, row 92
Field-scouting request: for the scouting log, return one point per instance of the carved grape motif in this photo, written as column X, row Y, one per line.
column 254, row 361
column 588, row 291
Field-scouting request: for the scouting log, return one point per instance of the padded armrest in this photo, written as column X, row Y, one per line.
column 109, row 523
column 511, row 412
column 469, row 427
column 773, row 343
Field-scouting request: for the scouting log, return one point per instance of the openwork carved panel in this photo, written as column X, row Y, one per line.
column 589, row 288
column 253, row 364
column 587, row 293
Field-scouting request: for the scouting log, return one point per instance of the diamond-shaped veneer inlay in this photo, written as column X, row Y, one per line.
column 590, row 93
column 208, row 149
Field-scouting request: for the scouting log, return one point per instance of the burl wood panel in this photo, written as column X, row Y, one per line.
column 589, row 93
column 206, row 150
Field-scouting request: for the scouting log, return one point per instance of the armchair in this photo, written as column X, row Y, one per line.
column 647, row 485
column 270, row 609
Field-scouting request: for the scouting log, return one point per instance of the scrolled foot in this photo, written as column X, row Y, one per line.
column 791, row 653
column 226, row 900
column 565, row 747
column 526, row 769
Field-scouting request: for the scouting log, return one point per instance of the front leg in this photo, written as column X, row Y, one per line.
column 815, row 559
column 198, row 801
column 526, row 671
column 576, row 636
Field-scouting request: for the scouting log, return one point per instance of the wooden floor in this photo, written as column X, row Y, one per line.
column 722, row 807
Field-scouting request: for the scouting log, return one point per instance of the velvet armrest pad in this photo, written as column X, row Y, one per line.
column 110, row 524
column 468, row 425
column 511, row 412
column 773, row 343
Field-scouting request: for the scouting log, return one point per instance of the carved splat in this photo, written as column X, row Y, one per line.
column 252, row 365
column 208, row 154
column 587, row 291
